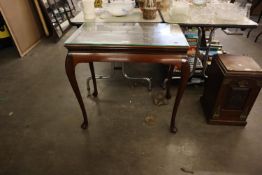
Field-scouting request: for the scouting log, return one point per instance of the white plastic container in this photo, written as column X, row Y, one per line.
column 88, row 9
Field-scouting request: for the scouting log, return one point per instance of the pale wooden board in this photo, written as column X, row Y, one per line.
column 22, row 24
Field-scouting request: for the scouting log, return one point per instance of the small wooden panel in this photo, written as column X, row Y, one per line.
column 22, row 23
column 239, row 63
column 237, row 97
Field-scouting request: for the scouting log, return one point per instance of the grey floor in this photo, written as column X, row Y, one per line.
column 40, row 122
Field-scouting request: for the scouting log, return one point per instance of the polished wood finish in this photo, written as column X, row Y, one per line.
column 231, row 89
column 169, row 80
column 70, row 71
column 126, row 42
column 92, row 70
column 74, row 58
column 232, row 63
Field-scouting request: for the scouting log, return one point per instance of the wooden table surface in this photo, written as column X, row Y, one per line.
column 128, row 42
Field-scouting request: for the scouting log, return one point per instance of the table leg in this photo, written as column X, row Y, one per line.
column 92, row 69
column 207, row 52
column 249, row 33
column 70, row 71
column 101, row 77
column 203, row 42
column 169, row 80
column 199, row 41
column 136, row 78
column 185, row 73
column 258, row 36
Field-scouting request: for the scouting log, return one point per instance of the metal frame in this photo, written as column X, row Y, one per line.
column 125, row 75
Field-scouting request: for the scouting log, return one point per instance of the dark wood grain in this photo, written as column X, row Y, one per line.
column 70, row 71
column 74, row 58
column 185, row 73
column 92, row 70
column 128, row 42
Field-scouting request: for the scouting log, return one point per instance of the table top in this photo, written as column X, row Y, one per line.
column 239, row 63
column 205, row 22
column 134, row 16
column 156, row 35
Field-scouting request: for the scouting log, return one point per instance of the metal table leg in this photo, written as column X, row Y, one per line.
column 112, row 73
column 207, row 52
column 88, row 82
column 136, row 78
column 258, row 36
column 200, row 32
column 168, row 83
column 201, row 41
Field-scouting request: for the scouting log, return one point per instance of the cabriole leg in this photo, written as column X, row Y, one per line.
column 185, row 73
column 70, row 72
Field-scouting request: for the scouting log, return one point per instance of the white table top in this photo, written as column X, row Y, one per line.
column 205, row 22
column 134, row 16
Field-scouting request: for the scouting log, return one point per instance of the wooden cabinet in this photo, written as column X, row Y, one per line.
column 22, row 23
column 231, row 89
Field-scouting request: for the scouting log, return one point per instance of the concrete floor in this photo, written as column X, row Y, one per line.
column 40, row 123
